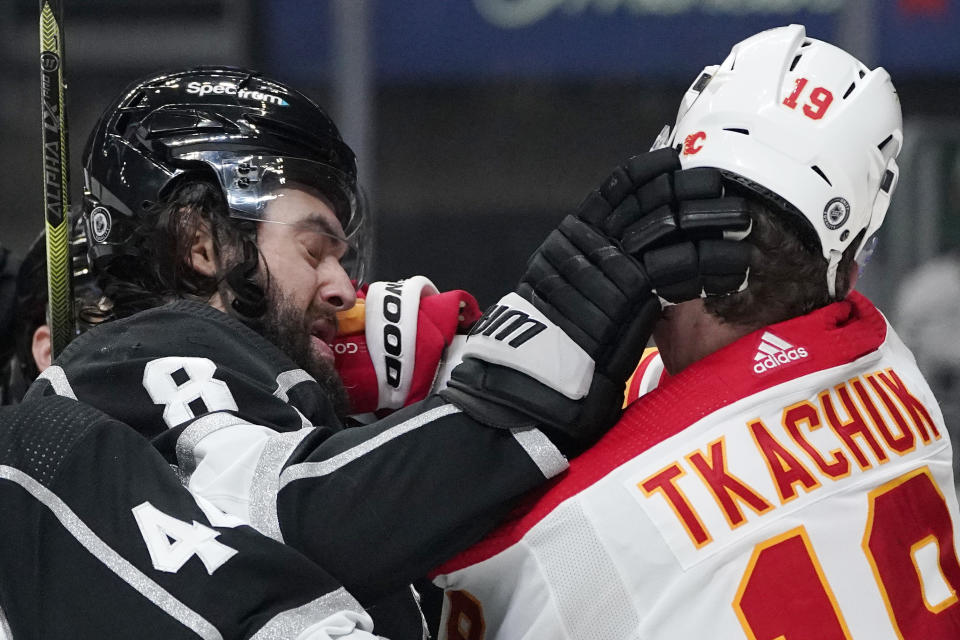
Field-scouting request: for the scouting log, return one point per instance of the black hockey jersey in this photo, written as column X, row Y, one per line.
column 100, row 540
column 377, row 506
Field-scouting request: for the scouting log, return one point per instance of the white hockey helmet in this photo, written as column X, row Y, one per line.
column 804, row 124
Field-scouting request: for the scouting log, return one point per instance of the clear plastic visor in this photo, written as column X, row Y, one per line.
column 866, row 252
column 252, row 183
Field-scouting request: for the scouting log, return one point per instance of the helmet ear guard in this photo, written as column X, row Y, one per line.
column 888, row 183
column 805, row 122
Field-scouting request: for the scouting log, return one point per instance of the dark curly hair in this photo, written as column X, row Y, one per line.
column 788, row 273
column 161, row 270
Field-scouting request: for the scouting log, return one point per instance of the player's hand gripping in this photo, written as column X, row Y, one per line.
column 557, row 352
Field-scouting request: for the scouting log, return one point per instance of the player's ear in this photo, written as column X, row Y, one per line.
column 203, row 256
column 42, row 347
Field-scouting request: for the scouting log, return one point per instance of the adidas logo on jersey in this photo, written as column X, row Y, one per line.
column 774, row 352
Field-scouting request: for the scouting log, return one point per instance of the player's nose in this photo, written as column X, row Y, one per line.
column 336, row 288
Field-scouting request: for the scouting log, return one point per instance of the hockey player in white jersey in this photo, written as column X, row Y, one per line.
column 791, row 478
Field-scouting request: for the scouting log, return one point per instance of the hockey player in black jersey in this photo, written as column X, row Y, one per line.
column 224, row 220
column 100, row 540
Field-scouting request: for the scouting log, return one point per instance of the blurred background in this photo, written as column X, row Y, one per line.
column 479, row 123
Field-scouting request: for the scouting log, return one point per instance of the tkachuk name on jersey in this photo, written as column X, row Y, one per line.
column 774, row 352
column 230, row 89
column 808, row 448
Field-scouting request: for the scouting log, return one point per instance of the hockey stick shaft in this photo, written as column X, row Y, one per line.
column 55, row 175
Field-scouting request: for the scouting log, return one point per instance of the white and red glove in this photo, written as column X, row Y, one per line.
column 393, row 344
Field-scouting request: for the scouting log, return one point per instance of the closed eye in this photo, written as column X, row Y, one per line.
column 320, row 245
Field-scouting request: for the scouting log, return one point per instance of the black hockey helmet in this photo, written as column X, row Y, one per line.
column 250, row 133
column 29, row 306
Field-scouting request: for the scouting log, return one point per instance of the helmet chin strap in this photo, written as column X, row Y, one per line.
column 832, row 264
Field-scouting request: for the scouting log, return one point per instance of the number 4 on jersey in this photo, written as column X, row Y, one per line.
column 172, row 542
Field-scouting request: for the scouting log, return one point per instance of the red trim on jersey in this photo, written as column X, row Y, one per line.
column 832, row 336
column 634, row 389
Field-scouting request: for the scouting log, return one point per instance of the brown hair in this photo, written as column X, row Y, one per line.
column 788, row 273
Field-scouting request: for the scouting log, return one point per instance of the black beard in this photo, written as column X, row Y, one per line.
column 285, row 326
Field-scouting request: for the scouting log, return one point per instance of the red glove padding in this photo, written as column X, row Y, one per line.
column 393, row 360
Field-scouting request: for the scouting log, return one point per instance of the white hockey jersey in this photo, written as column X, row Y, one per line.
column 796, row 484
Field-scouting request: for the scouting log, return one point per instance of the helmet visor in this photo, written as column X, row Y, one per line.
column 251, row 182
column 865, row 253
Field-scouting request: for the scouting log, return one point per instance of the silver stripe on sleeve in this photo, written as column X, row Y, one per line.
column 197, row 431
column 543, row 452
column 288, row 380
column 303, row 419
column 266, row 480
column 110, row 558
column 58, row 380
column 181, row 476
column 316, row 469
column 5, row 632
column 293, row 622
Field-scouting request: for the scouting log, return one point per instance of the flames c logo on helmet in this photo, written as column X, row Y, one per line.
column 690, row 145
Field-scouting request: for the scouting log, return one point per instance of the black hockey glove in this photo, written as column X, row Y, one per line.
column 557, row 352
column 677, row 222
